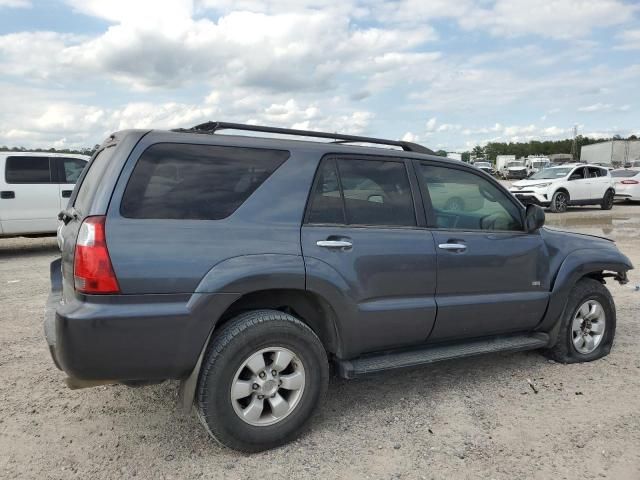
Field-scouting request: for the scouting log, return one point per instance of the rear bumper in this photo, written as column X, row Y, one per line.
column 129, row 337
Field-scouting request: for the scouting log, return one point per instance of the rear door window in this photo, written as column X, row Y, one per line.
column 197, row 182
column 369, row 192
column 23, row 169
column 71, row 169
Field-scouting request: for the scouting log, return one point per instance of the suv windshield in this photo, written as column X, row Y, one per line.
column 553, row 172
column 517, row 163
column 482, row 164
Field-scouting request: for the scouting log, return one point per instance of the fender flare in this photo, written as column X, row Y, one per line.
column 578, row 264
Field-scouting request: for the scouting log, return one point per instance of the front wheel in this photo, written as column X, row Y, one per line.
column 607, row 200
column 559, row 202
column 264, row 374
column 588, row 324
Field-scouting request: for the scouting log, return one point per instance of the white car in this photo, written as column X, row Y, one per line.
column 627, row 183
column 34, row 187
column 571, row 184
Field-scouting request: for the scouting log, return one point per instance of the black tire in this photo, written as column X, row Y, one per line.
column 564, row 351
column 559, row 202
column 607, row 200
column 234, row 344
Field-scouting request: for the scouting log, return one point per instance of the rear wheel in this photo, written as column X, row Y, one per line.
column 559, row 202
column 607, row 200
column 588, row 325
column 264, row 374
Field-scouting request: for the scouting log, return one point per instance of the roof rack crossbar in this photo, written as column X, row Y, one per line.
column 212, row 127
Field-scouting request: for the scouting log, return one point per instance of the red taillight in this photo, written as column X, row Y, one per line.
column 92, row 269
column 630, row 182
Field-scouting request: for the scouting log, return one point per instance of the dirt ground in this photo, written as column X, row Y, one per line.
column 472, row 418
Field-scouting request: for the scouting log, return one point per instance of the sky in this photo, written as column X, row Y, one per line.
column 447, row 74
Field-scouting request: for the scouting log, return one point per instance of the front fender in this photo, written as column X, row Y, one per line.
column 576, row 265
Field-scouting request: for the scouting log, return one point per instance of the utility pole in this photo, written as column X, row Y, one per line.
column 574, row 144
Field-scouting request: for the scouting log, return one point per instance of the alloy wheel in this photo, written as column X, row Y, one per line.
column 268, row 386
column 588, row 327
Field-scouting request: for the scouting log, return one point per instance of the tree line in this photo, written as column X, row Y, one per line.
column 533, row 147
column 83, row 151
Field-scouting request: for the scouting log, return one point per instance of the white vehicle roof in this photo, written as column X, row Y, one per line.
column 44, row 154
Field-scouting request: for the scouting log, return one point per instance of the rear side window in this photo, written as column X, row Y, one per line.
column 71, row 169
column 196, row 182
column 27, row 170
column 90, row 181
column 362, row 192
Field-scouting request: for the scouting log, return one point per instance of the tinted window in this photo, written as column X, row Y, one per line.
column 467, row 201
column 90, row 181
column 595, row 172
column 71, row 169
column 326, row 202
column 376, row 192
column 198, row 182
column 27, row 170
column 577, row 174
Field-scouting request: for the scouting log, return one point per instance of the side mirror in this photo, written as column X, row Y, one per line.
column 533, row 218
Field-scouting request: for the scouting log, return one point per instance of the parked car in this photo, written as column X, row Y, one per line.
column 627, row 183
column 486, row 167
column 34, row 186
column 573, row 184
column 242, row 267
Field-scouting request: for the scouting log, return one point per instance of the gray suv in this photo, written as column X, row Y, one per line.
column 245, row 267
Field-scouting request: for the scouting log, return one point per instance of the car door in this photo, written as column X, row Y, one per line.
column 599, row 182
column 69, row 170
column 491, row 273
column 367, row 252
column 579, row 185
column 29, row 196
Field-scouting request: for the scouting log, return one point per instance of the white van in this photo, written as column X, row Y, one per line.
column 34, row 187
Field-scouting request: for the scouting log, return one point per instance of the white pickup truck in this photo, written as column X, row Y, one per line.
column 34, row 187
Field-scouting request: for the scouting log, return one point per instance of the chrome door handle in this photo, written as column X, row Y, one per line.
column 453, row 246
column 334, row 243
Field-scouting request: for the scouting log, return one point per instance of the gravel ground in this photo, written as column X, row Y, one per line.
column 472, row 418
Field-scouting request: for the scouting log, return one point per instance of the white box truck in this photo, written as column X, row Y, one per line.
column 614, row 153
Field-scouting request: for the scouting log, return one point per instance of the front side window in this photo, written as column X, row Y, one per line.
column 362, row 192
column 466, row 201
column 196, row 182
column 21, row 169
column 577, row 174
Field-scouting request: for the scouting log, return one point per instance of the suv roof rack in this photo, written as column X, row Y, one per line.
column 212, row 127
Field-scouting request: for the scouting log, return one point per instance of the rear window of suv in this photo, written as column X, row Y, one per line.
column 196, row 182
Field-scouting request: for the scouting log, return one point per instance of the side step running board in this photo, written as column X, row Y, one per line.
column 436, row 353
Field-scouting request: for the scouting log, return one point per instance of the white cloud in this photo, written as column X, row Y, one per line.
column 431, row 124
column 556, row 19
column 410, row 137
column 604, row 107
column 15, row 3
column 629, row 40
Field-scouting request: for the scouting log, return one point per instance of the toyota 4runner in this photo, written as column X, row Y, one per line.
column 244, row 267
